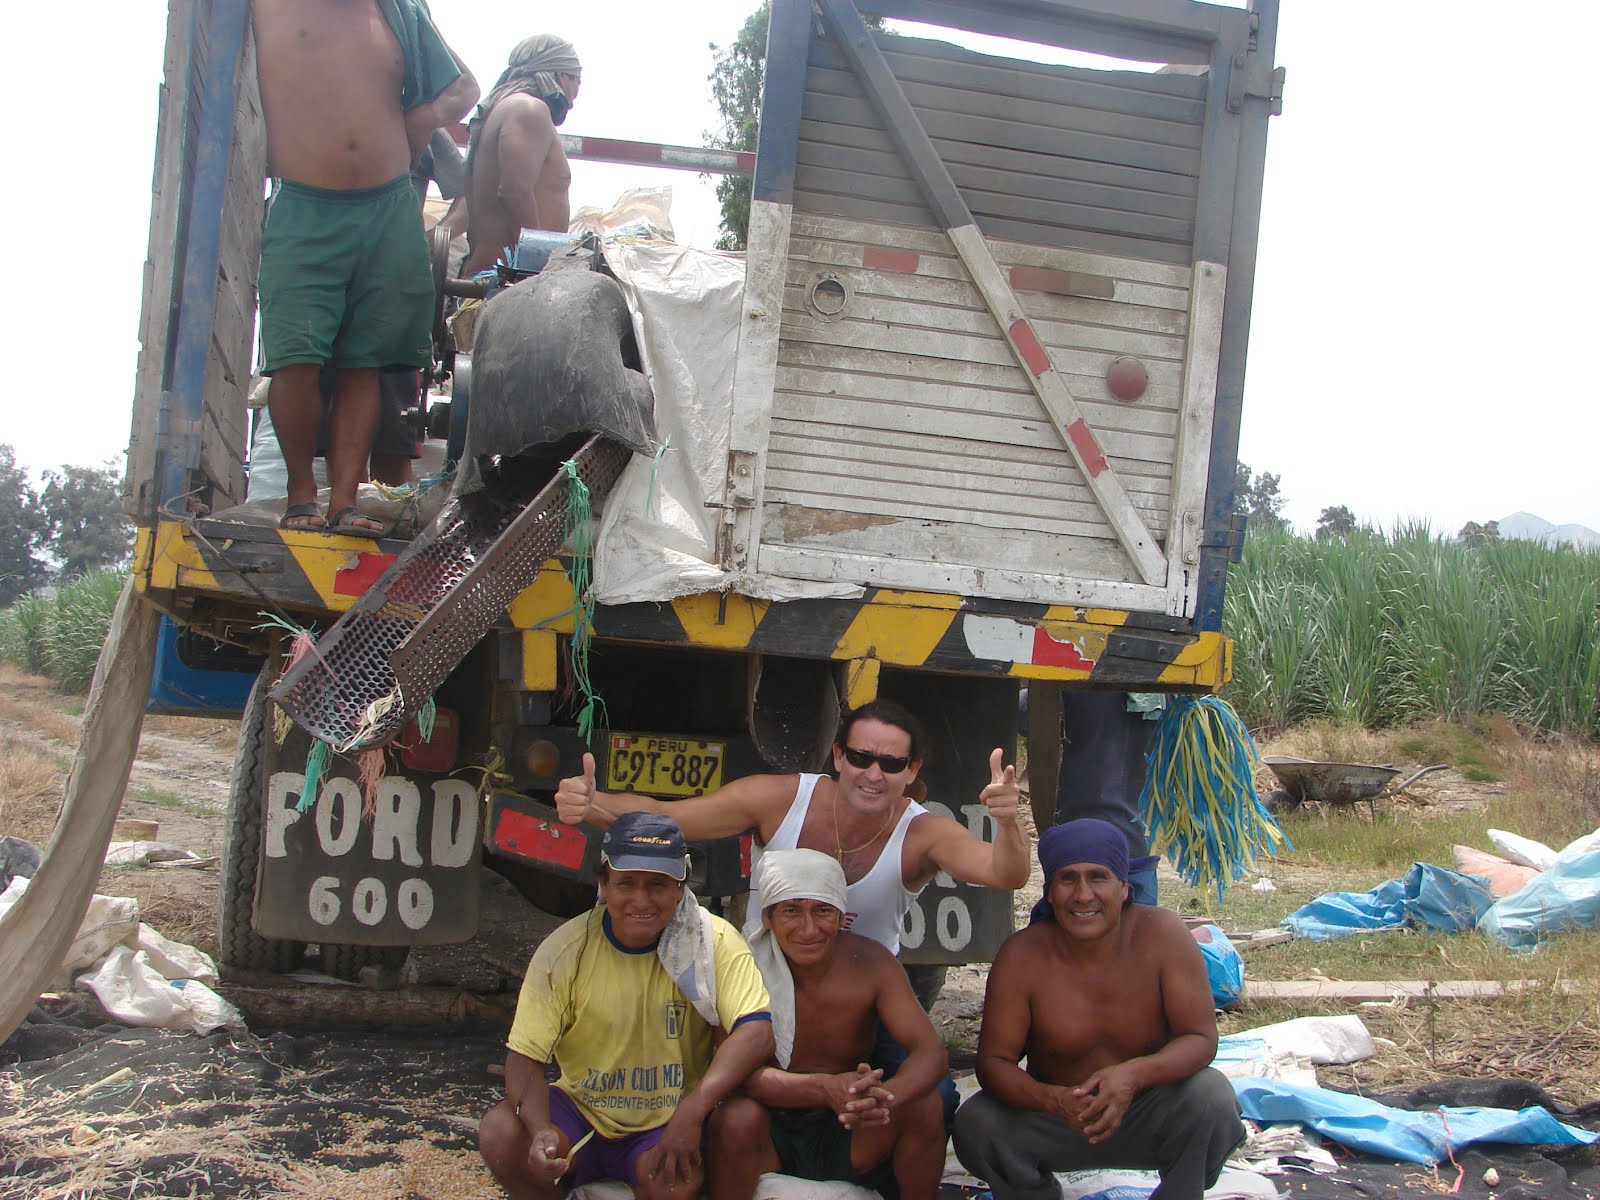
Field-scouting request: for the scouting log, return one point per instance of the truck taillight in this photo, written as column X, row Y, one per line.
column 438, row 753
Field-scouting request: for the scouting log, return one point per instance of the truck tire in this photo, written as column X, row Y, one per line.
column 238, row 944
column 347, row 962
column 926, row 981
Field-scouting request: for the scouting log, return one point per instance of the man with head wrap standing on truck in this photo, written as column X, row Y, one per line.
column 518, row 172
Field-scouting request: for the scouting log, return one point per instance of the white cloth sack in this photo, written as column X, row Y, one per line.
column 1524, row 851
column 135, row 993
column 175, row 960
column 108, row 921
column 657, row 538
column 687, row 952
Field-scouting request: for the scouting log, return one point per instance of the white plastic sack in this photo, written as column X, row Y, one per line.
column 768, row 1187
column 144, row 854
column 1320, row 1040
column 1521, row 850
column 1566, row 896
column 1582, row 845
column 175, row 960
column 1121, row 1184
column 657, row 538
column 135, row 993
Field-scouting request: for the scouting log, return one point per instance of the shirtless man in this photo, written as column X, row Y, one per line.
column 519, row 173
column 351, row 91
column 817, row 1112
column 1109, row 1002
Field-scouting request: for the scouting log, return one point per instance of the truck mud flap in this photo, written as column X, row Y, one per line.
column 405, row 874
column 389, row 653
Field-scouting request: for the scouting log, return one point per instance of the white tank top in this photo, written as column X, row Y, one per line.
column 877, row 902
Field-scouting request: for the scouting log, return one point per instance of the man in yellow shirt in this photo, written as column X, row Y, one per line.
column 655, row 1011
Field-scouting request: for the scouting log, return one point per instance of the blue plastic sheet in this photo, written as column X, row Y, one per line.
column 1428, row 897
column 1567, row 896
column 1420, row 1137
column 1224, row 965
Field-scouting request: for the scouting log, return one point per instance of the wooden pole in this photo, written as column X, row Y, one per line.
column 37, row 930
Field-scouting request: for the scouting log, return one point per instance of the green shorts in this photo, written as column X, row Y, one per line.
column 345, row 278
column 811, row 1144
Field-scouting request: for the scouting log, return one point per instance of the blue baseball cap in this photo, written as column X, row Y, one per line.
column 640, row 841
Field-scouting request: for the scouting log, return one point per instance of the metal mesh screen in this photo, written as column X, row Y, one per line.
column 381, row 661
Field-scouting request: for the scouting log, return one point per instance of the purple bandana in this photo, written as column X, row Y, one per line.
column 1087, row 840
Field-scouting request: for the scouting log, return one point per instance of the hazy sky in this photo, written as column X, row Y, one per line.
column 1426, row 278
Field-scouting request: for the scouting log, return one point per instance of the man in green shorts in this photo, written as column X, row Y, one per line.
column 351, row 91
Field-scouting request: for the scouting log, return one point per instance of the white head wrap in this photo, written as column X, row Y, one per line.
column 790, row 875
column 532, row 68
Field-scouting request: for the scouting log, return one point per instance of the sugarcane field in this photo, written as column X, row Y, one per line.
column 801, row 600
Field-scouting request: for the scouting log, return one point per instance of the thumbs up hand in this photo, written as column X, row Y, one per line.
column 575, row 795
column 1001, row 796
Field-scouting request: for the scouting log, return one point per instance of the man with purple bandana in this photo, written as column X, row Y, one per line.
column 1109, row 1001
column 655, row 1011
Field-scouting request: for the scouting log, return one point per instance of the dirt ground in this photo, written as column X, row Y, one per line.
column 90, row 1109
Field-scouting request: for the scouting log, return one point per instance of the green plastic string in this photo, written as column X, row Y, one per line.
column 1199, row 800
column 652, row 502
column 426, row 715
column 580, row 529
column 315, row 762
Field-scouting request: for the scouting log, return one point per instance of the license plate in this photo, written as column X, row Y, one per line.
column 663, row 766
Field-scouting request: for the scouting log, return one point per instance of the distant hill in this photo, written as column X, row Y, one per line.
column 1529, row 528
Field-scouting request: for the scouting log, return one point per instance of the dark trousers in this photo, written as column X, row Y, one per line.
column 890, row 1054
column 1184, row 1130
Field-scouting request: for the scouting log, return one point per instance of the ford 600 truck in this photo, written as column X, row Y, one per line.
column 968, row 418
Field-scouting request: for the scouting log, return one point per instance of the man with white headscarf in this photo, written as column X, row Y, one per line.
column 818, row 1111
column 518, row 172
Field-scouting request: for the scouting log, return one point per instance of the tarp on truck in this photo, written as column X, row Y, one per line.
column 658, row 537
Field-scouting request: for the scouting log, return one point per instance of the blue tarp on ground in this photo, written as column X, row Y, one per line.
column 1567, row 896
column 1427, row 897
column 1419, row 1137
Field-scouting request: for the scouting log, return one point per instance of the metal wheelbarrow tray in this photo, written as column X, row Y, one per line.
column 1305, row 779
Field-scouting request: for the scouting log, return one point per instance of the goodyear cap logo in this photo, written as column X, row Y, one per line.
column 646, row 842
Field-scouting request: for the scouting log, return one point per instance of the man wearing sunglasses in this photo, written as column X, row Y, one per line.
column 889, row 845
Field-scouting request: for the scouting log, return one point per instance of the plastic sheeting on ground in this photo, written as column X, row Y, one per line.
column 1290, row 1050
column 657, row 538
column 1567, row 896
column 1428, row 897
column 1224, row 965
column 1419, row 1137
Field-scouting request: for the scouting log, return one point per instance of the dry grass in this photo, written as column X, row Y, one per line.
column 30, row 792
column 221, row 735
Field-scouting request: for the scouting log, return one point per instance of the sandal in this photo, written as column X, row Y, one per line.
column 351, row 522
column 307, row 516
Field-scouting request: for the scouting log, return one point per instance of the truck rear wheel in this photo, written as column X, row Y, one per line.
column 238, row 944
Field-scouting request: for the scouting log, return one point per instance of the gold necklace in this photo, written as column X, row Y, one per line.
column 838, row 834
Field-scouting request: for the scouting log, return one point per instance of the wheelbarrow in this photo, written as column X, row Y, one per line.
column 1304, row 779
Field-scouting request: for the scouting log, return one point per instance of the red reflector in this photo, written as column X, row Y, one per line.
column 352, row 581
column 437, row 755
column 882, row 258
column 1094, row 461
column 744, row 854
column 547, row 841
column 1034, row 355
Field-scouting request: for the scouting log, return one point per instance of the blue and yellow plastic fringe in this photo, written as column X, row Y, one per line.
column 1199, row 801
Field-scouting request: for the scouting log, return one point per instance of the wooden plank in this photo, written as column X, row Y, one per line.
column 1191, row 461
column 1029, row 198
column 1069, row 585
column 1172, row 303
column 1006, row 252
column 1408, row 989
column 1159, row 187
column 959, row 92
column 155, row 308
column 1164, row 96
column 1066, row 335
column 1059, row 143
column 941, row 396
column 1085, row 370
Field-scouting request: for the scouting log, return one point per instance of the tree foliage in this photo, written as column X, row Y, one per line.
column 84, row 525
column 72, row 527
column 736, row 78
column 21, row 523
column 1258, row 496
column 1474, row 536
column 1336, row 521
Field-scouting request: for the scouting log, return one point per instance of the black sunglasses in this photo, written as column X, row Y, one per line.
column 892, row 764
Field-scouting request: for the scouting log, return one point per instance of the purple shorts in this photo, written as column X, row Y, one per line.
column 603, row 1157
